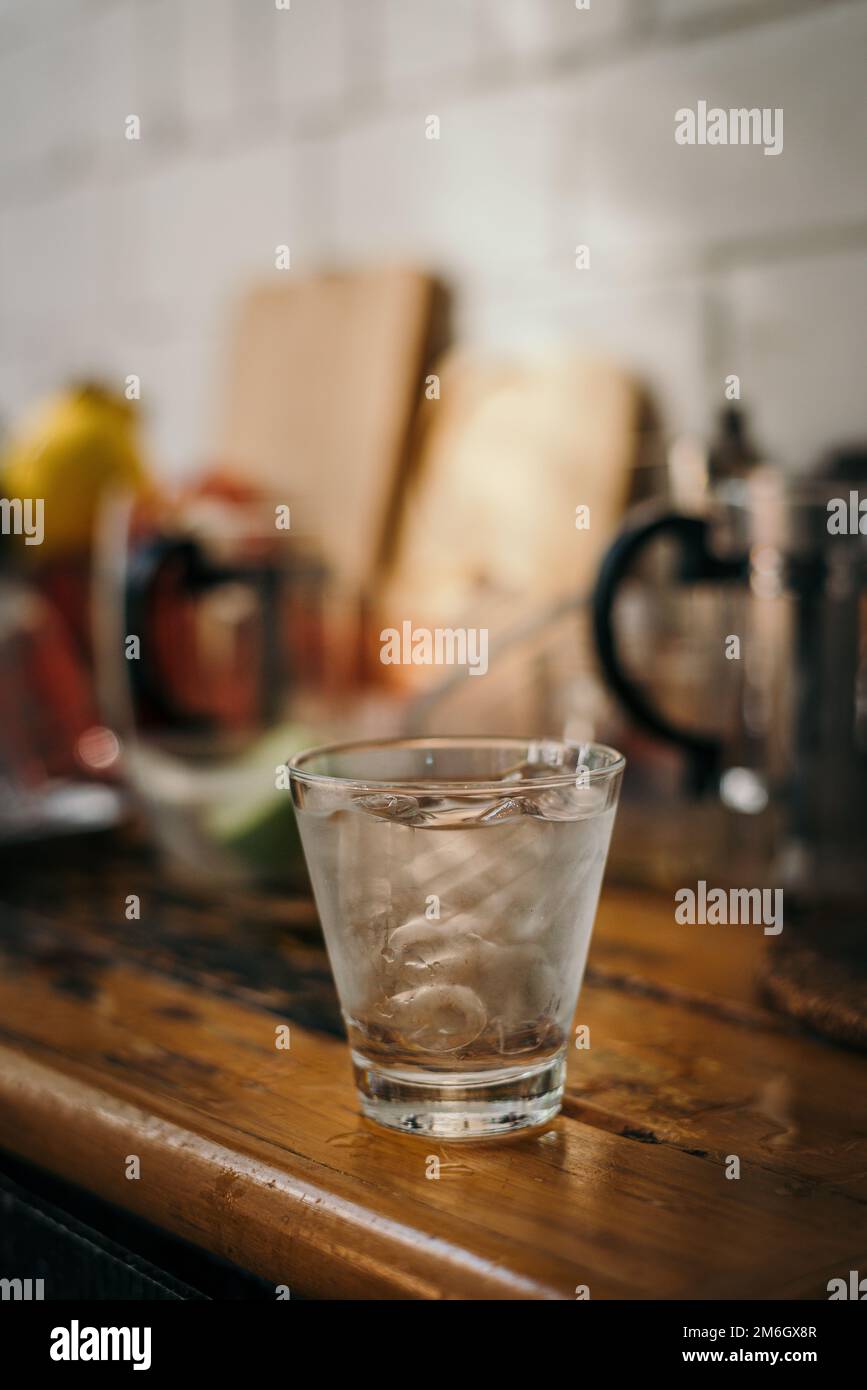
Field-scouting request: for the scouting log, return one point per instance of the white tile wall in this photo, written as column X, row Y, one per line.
column 309, row 58
column 797, row 342
column 42, row 95
column 210, row 86
column 261, row 126
column 658, row 332
column 20, row 20
column 708, row 13
column 638, row 195
column 112, row 83
column 554, row 26
column 177, row 442
column 428, row 46
column 208, row 221
column 160, row 68
column 479, row 197
column 290, row 63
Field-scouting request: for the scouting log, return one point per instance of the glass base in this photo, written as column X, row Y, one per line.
column 461, row 1105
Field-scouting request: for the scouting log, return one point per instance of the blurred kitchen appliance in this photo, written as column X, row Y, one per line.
column 209, row 621
column 227, row 621
column 791, row 647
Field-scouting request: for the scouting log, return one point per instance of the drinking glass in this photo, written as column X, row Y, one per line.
column 457, row 881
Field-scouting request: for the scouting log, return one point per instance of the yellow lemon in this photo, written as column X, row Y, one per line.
column 78, row 445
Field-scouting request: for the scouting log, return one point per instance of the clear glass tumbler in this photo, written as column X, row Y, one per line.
column 457, row 881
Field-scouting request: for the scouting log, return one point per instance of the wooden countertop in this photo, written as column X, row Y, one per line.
column 156, row 1038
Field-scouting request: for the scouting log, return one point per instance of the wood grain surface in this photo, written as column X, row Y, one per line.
column 157, row 1038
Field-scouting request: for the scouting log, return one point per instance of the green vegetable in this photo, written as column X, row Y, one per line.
column 258, row 826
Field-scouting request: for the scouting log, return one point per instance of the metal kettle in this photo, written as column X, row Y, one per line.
column 800, row 735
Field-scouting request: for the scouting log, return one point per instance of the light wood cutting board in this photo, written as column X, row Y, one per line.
column 507, row 455
column 323, row 383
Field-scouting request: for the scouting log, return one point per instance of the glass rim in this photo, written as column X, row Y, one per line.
column 453, row 785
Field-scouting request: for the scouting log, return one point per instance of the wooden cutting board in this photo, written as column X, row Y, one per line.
column 323, row 382
column 507, row 455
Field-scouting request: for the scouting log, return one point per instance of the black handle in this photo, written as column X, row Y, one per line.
column 697, row 565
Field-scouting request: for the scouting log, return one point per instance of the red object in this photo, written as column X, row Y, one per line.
column 46, row 701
